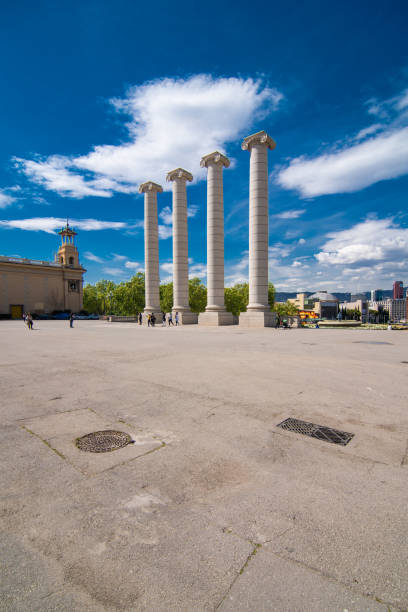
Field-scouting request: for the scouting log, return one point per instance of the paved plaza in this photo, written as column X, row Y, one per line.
column 213, row 507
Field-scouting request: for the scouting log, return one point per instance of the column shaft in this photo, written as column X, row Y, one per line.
column 180, row 246
column 258, row 228
column 215, row 238
column 152, row 276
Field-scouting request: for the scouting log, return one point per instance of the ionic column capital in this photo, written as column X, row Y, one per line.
column 150, row 186
column 258, row 138
column 214, row 158
column 179, row 173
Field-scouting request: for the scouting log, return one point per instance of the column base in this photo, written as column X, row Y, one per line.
column 216, row 318
column 253, row 318
column 186, row 317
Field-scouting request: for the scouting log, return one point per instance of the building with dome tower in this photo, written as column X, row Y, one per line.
column 40, row 287
column 322, row 304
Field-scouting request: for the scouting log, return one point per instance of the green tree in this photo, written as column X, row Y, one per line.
column 136, row 293
column 236, row 298
column 271, row 295
column 91, row 303
column 105, row 290
column 286, row 309
column 197, row 295
column 166, row 297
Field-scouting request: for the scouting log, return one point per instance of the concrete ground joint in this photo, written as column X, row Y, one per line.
column 331, row 578
column 251, row 555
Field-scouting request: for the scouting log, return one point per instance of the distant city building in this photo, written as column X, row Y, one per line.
column 28, row 285
column 397, row 309
column 302, row 302
column 362, row 305
column 398, row 290
column 358, row 296
column 376, row 295
column 326, row 305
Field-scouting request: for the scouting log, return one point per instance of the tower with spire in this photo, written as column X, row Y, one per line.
column 67, row 254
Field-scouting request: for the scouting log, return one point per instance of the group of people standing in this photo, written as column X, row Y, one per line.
column 28, row 320
column 166, row 319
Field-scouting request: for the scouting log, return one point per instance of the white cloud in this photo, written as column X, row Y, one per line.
column 194, row 270
column 165, row 231
column 167, row 267
column 166, row 215
column 373, row 240
column 91, row 257
column 371, row 129
column 383, row 155
column 114, row 272
column 172, row 122
column 290, row 214
column 134, row 265
column 6, row 199
column 280, row 250
column 198, row 270
column 351, row 169
column 51, row 224
column 302, row 241
column 192, row 210
column 54, row 174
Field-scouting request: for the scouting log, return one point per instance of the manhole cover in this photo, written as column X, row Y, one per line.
column 103, row 441
column 327, row 434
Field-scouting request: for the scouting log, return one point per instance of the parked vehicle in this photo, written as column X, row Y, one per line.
column 61, row 316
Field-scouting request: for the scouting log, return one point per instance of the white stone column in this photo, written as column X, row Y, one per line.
column 151, row 233
column 179, row 177
column 258, row 311
column 215, row 313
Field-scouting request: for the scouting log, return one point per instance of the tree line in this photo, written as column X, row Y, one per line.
column 128, row 297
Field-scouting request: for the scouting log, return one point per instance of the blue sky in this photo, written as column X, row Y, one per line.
column 98, row 97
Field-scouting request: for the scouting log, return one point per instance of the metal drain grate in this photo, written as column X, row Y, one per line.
column 327, row 434
column 103, row 441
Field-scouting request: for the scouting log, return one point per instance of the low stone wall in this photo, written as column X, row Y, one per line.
column 339, row 324
column 119, row 319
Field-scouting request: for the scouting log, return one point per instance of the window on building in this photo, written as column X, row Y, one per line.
column 61, row 259
column 73, row 286
column 71, row 261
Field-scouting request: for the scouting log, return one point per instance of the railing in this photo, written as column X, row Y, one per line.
column 32, row 262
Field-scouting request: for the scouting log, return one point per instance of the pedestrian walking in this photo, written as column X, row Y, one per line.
column 170, row 319
column 164, row 320
column 177, row 318
column 149, row 320
column 153, row 319
column 29, row 321
column 140, row 318
column 71, row 319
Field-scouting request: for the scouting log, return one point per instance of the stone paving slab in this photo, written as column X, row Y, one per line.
column 272, row 583
column 176, row 527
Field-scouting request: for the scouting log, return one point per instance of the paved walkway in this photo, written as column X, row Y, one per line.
column 213, row 507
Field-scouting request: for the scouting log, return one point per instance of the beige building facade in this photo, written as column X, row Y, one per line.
column 28, row 285
column 397, row 309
